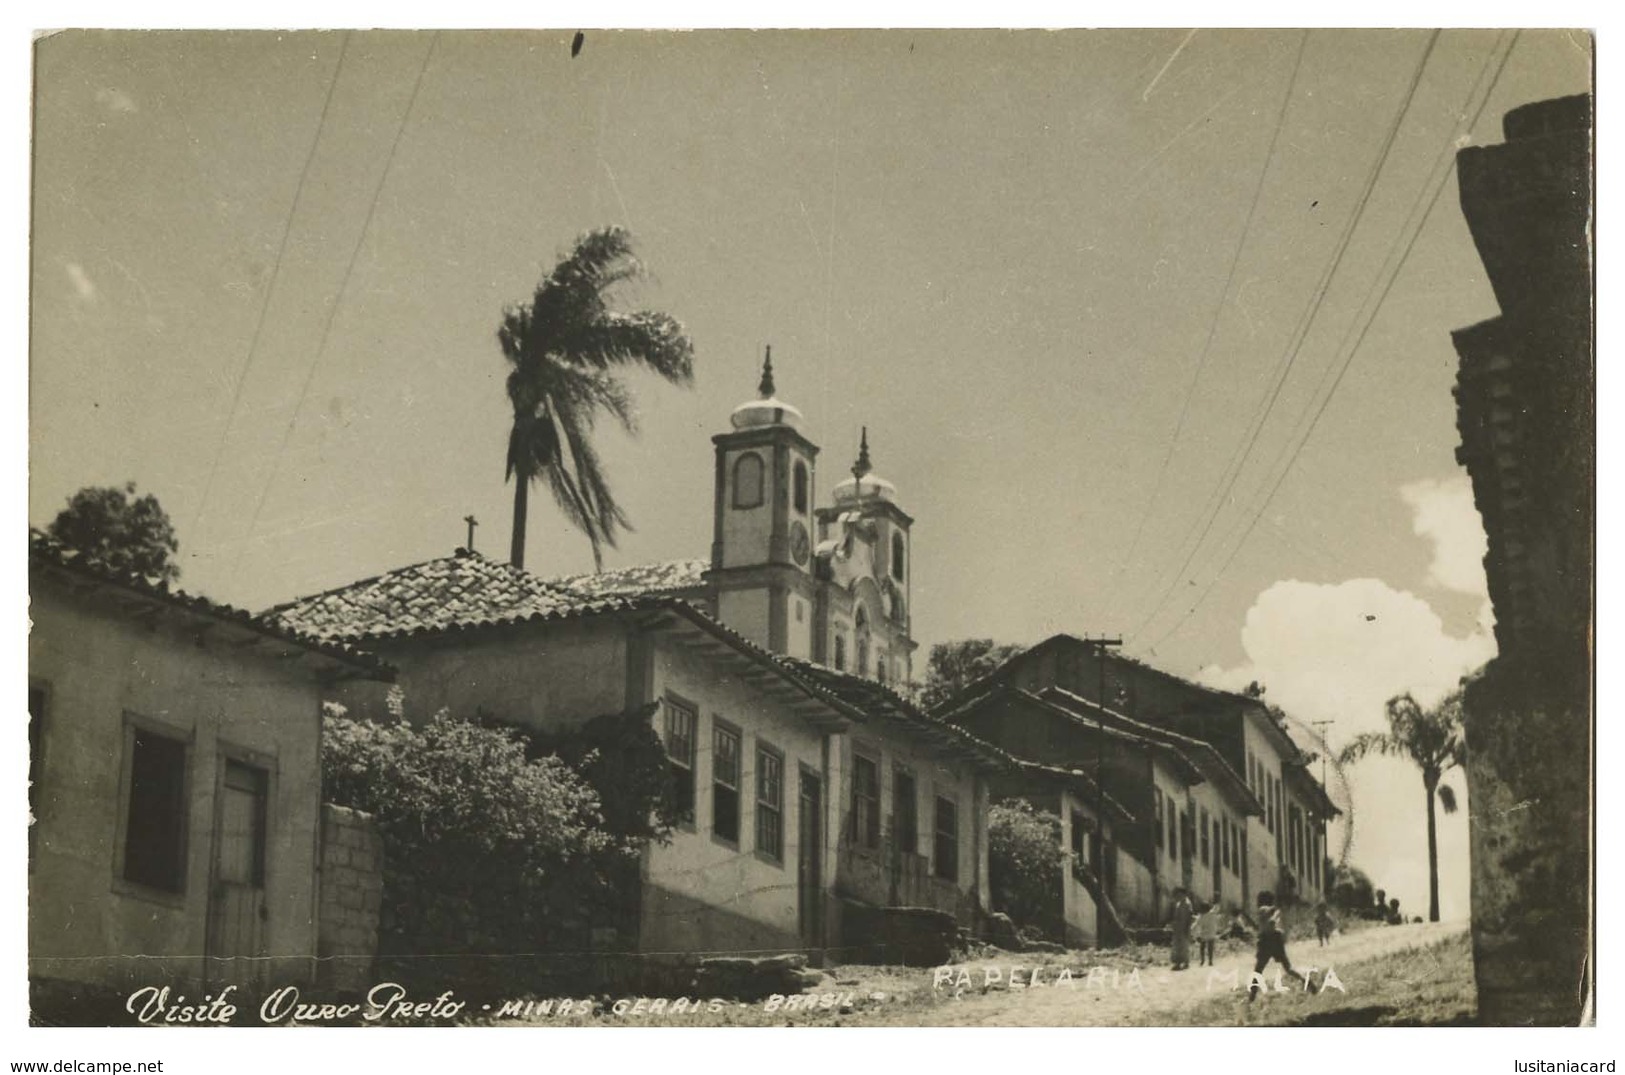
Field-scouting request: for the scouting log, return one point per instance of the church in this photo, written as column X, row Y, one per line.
column 828, row 585
column 815, row 795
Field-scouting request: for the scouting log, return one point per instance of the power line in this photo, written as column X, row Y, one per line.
column 338, row 298
column 1218, row 311
column 270, row 287
column 1432, row 200
column 1295, row 341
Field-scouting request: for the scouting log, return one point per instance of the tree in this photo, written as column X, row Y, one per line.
column 953, row 666
column 564, row 349
column 120, row 532
column 486, row 849
column 1024, row 862
column 1432, row 739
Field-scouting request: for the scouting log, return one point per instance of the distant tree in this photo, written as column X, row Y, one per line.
column 1351, row 889
column 563, row 350
column 1432, row 739
column 953, row 666
column 119, row 531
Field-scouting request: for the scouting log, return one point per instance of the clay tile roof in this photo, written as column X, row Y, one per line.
column 46, row 551
column 877, row 699
column 673, row 576
column 455, row 592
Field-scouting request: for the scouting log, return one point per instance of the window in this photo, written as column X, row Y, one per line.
column 1081, row 831
column 680, row 721
column 769, row 804
column 947, row 859
column 840, row 653
column 1224, row 843
column 1173, row 830
column 155, row 833
column 800, row 484
column 725, row 783
column 865, row 802
column 880, row 669
column 748, row 481
column 1238, row 849
column 862, row 631
column 897, row 551
column 1157, row 814
column 905, row 812
column 1205, row 830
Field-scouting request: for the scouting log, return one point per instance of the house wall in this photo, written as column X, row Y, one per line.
column 1079, row 912
column 701, row 893
column 1263, row 858
column 548, row 677
column 352, row 888
column 96, row 664
column 1214, row 878
column 1136, row 891
column 891, row 875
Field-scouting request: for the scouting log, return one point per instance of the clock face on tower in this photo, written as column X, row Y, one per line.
column 800, row 547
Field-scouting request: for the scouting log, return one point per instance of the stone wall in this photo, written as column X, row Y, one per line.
column 352, row 885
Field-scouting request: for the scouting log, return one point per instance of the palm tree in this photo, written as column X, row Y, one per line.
column 564, row 348
column 1432, row 739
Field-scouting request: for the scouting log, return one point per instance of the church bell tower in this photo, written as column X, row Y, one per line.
column 761, row 550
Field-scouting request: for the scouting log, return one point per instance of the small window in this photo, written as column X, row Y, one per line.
column 880, row 669
column 800, row 483
column 840, row 653
column 680, row 721
column 748, row 481
column 1080, row 833
column 897, row 551
column 769, row 804
column 725, row 784
column 1156, row 815
column 947, row 858
column 862, row 632
column 1204, row 852
column 905, row 812
column 865, row 802
column 155, row 833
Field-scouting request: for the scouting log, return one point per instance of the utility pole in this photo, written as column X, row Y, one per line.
column 1100, row 645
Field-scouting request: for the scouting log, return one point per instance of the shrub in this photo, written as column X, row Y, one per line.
column 1024, row 863
column 486, row 849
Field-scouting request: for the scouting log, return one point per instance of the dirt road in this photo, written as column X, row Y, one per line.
column 1120, row 994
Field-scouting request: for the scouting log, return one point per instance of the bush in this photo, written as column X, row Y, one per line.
column 1351, row 889
column 486, row 849
column 1024, row 861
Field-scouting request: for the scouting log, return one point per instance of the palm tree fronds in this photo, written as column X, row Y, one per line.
column 1447, row 798
column 1370, row 743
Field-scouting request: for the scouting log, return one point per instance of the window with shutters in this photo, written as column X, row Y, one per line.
column 725, row 783
column 946, row 865
column 865, row 802
column 769, row 803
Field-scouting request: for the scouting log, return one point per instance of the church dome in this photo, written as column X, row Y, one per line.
column 767, row 409
column 864, row 484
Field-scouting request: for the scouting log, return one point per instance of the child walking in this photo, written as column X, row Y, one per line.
column 1324, row 923
column 1208, row 926
column 1271, row 945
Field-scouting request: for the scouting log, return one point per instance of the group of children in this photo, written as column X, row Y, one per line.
column 1207, row 926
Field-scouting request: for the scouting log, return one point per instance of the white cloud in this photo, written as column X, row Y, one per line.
column 1339, row 651
column 1445, row 514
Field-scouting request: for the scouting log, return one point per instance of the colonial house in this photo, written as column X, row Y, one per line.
column 1281, row 844
column 1139, row 858
column 174, row 786
column 815, row 788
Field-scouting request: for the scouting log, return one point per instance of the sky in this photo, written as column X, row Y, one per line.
column 1054, row 273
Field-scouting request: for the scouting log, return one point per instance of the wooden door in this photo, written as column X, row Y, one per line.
column 237, row 909
column 809, row 860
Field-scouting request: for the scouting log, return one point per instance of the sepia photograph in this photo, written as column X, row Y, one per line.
column 811, row 528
